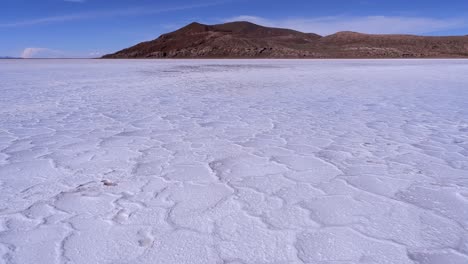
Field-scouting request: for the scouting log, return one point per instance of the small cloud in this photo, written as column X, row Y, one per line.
column 75, row 1
column 94, row 54
column 45, row 53
column 30, row 53
column 363, row 24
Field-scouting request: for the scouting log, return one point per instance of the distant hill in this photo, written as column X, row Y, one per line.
column 6, row 57
column 248, row 40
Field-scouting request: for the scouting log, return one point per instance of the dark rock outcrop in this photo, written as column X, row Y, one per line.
column 248, row 40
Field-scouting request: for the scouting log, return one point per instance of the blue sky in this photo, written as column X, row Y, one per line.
column 90, row 28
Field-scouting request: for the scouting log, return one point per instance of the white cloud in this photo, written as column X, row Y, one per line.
column 95, row 54
column 363, row 24
column 30, row 53
column 75, row 1
column 34, row 53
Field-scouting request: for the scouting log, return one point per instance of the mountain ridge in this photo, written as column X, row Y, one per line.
column 244, row 39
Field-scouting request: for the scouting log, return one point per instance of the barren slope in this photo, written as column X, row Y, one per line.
column 247, row 40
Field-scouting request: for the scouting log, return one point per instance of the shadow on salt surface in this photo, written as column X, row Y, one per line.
column 206, row 68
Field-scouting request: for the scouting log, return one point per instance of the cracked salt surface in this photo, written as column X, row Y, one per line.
column 234, row 161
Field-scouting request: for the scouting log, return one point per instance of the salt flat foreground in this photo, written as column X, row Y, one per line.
column 237, row 161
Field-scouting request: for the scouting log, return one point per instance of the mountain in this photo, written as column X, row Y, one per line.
column 248, row 40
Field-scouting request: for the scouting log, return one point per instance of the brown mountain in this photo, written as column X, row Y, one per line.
column 248, row 40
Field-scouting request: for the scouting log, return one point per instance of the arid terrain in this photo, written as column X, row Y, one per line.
column 248, row 40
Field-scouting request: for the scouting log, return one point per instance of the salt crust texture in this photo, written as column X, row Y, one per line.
column 234, row 161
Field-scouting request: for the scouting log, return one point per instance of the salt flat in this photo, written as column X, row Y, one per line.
column 234, row 161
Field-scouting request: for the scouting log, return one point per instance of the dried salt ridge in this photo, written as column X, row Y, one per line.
column 247, row 40
column 239, row 161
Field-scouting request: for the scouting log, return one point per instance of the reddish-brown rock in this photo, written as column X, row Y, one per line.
column 247, row 40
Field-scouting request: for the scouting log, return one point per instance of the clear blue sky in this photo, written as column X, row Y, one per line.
column 87, row 28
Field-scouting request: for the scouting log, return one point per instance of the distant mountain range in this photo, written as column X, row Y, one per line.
column 6, row 57
column 248, row 40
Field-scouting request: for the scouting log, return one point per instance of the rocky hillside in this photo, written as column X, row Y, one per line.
column 248, row 40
